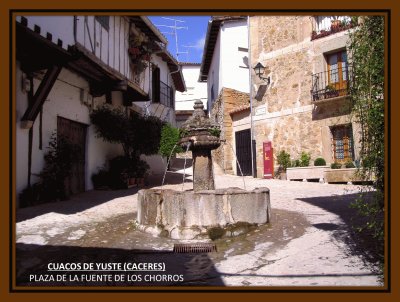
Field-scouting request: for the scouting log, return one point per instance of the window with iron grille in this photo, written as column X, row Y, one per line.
column 342, row 143
column 104, row 21
column 166, row 95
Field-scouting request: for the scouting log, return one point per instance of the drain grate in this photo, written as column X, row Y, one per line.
column 195, row 248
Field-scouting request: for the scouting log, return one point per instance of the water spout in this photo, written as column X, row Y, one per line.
column 184, row 164
column 234, row 153
column 166, row 167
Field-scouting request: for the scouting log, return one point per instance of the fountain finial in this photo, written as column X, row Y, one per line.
column 203, row 137
column 198, row 108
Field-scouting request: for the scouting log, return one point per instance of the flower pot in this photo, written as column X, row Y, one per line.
column 140, row 181
column 335, row 24
column 132, row 181
column 306, row 173
column 347, row 175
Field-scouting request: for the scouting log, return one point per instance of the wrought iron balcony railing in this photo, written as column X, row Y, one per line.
column 330, row 84
column 166, row 95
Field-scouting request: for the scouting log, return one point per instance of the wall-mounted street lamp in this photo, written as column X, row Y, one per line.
column 259, row 70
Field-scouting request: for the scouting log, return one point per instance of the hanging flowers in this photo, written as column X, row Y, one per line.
column 139, row 52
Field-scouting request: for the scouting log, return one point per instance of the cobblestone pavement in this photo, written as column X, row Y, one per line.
column 308, row 243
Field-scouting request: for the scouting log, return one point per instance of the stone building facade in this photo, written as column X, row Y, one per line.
column 302, row 104
column 228, row 101
column 225, row 69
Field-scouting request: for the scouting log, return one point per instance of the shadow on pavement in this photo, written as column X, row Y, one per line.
column 77, row 203
column 144, row 267
column 86, row 200
column 361, row 243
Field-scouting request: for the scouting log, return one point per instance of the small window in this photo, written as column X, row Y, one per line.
column 342, row 143
column 104, row 21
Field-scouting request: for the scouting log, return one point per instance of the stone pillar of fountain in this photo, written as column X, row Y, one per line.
column 202, row 136
column 203, row 178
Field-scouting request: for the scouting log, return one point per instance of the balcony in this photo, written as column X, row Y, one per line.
column 325, row 26
column 166, row 95
column 331, row 84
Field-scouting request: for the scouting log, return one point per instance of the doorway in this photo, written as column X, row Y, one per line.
column 74, row 133
column 243, row 151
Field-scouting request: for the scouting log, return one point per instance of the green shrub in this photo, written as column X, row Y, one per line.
column 336, row 165
column 295, row 163
column 283, row 159
column 121, row 168
column 215, row 131
column 169, row 140
column 305, row 159
column 136, row 133
column 59, row 159
column 349, row 164
column 101, row 179
column 319, row 162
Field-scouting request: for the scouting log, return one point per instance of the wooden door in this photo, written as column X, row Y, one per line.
column 74, row 133
column 338, row 72
column 243, row 151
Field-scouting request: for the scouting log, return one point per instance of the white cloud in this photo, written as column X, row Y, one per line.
column 200, row 43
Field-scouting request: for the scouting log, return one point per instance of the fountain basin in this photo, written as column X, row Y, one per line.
column 196, row 215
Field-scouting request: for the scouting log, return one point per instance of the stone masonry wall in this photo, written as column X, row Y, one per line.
column 227, row 100
column 278, row 32
column 285, row 114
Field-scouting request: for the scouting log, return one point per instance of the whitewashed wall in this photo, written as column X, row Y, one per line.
column 228, row 67
column 234, row 35
column 61, row 27
column 164, row 113
column 111, row 45
column 195, row 90
column 64, row 100
column 215, row 75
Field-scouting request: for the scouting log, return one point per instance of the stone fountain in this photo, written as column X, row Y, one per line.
column 204, row 212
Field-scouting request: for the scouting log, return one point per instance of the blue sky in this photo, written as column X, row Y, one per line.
column 190, row 40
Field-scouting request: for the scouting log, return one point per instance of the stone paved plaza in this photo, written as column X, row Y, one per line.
column 308, row 243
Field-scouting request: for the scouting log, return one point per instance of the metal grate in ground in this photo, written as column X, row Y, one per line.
column 194, row 248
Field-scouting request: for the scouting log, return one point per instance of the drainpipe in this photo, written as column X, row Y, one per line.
column 75, row 27
column 178, row 70
column 253, row 159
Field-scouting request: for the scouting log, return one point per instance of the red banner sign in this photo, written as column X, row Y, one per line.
column 268, row 160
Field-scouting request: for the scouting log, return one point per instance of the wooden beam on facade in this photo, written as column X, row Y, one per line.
column 41, row 94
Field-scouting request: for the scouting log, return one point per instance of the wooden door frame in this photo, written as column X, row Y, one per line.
column 341, row 85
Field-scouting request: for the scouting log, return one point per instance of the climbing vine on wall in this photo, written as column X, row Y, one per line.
column 367, row 50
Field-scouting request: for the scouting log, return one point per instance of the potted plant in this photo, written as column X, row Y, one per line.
column 335, row 23
column 100, row 179
column 301, row 169
column 283, row 160
column 319, row 162
column 330, row 91
column 344, row 173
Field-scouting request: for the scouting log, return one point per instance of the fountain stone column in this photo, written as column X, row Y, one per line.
column 200, row 135
column 203, row 178
column 204, row 212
